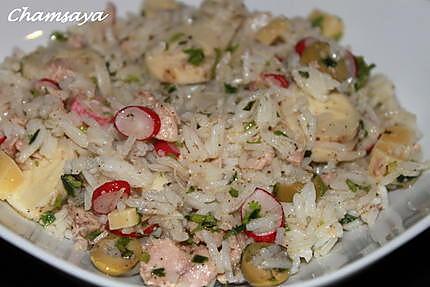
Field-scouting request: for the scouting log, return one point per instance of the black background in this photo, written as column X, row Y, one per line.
column 407, row 266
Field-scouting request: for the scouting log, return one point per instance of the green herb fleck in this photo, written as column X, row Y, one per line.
column 93, row 235
column 59, row 200
column 348, row 218
column 233, row 192
column 253, row 211
column 280, row 133
column 199, row 259
column 207, row 221
column 72, row 183
column 363, row 70
column 33, row 137
column 402, row 181
column 249, row 106
column 195, row 56
column 229, row 89
column 159, row 272
column 232, row 48
column 145, row 257
column 354, row 187
column 329, row 62
column 233, row 178
column 304, row 74
column 320, row 187
column 317, row 21
column 257, row 141
column 47, row 218
column 131, row 79
column 58, row 36
column 191, row 189
column 235, row 231
column 176, row 37
column 249, row 125
column 121, row 244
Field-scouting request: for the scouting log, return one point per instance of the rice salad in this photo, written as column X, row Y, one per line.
column 202, row 145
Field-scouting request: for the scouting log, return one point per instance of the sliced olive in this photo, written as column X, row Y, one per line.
column 320, row 55
column 285, row 192
column 107, row 258
column 261, row 277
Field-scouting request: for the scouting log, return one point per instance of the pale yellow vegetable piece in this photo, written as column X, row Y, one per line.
column 10, row 176
column 331, row 25
column 40, row 187
column 119, row 219
column 274, row 31
column 337, row 119
column 394, row 145
column 107, row 258
column 159, row 181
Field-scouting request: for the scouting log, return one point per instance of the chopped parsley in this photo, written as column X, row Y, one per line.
column 191, row 189
column 159, row 272
column 232, row 48
column 58, row 36
column 363, row 70
column 200, row 259
column 207, row 221
column 72, row 183
column 176, row 37
column 320, row 186
column 304, row 74
column 329, row 62
column 229, row 89
column 280, row 133
column 233, row 192
column 145, row 257
column 47, row 218
column 121, row 244
column 248, row 125
column 354, row 187
column 93, row 235
column 195, row 56
column 233, row 178
column 33, row 137
column 257, row 141
column 169, row 88
column 348, row 218
column 317, row 21
column 253, row 212
column 249, row 106
column 234, row 231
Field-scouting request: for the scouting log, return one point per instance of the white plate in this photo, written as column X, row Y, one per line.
column 393, row 34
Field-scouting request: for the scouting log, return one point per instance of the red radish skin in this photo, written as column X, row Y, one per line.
column 271, row 205
column 277, row 79
column 45, row 82
column 303, row 44
column 81, row 110
column 141, row 122
column 3, row 139
column 106, row 196
column 163, row 148
column 149, row 229
column 119, row 233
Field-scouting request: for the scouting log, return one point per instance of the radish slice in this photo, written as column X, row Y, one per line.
column 149, row 229
column 45, row 82
column 269, row 205
column 277, row 79
column 2, row 139
column 137, row 121
column 106, row 196
column 119, row 233
column 303, row 44
column 78, row 108
column 163, row 148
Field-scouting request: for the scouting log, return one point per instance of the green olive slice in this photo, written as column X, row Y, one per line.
column 259, row 277
column 108, row 259
column 319, row 54
column 285, row 192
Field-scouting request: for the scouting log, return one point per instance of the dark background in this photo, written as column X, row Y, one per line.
column 407, row 266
